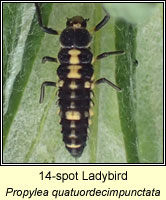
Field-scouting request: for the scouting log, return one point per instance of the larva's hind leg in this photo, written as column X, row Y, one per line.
column 46, row 83
column 104, row 80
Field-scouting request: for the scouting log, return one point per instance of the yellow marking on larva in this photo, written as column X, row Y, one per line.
column 72, row 105
column 89, row 122
column 91, row 113
column 91, row 95
column 86, row 114
column 93, row 60
column 72, row 125
column 87, row 84
column 73, row 73
column 60, row 83
column 92, row 77
column 73, row 95
column 73, row 115
column 92, row 86
column 73, row 85
column 78, row 25
column 74, row 59
column 73, row 135
column 73, row 146
column 91, row 104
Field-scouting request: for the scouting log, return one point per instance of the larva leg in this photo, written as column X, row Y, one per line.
column 46, row 83
column 104, row 80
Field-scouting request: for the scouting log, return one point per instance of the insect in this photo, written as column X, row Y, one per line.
column 76, row 79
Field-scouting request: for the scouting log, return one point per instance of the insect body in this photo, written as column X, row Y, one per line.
column 76, row 79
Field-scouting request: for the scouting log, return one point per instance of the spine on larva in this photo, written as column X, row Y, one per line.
column 75, row 92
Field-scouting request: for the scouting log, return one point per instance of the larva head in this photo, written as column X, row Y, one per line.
column 76, row 22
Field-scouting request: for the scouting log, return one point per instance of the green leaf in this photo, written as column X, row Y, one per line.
column 126, row 127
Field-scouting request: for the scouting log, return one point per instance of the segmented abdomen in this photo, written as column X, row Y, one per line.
column 75, row 93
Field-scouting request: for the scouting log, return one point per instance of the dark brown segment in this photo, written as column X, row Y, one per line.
column 85, row 56
column 75, row 145
column 76, row 21
column 76, row 38
column 86, row 71
column 80, row 104
column 79, row 124
column 75, row 105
